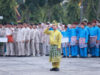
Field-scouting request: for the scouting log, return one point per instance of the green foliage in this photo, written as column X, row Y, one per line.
column 49, row 10
column 40, row 10
column 92, row 9
column 7, row 11
column 35, row 11
column 73, row 11
column 53, row 2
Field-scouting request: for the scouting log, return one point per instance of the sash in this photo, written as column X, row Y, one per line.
column 82, row 43
column 73, row 40
column 92, row 41
column 10, row 38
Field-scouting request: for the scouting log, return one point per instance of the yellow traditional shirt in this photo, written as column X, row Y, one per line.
column 55, row 37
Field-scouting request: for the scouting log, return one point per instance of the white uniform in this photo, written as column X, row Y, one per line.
column 44, row 41
column 2, row 32
column 9, row 45
column 35, row 42
column 41, row 40
column 23, row 41
column 46, row 45
column 31, row 49
column 15, row 41
column 2, row 47
column 32, row 42
column 27, row 43
column 18, row 40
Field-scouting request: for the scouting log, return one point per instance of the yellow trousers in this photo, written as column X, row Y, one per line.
column 56, row 64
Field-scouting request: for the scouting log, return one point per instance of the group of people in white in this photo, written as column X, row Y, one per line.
column 25, row 39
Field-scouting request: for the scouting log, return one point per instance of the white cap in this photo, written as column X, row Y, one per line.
column 85, row 20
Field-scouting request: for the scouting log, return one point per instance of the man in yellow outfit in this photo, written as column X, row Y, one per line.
column 55, row 47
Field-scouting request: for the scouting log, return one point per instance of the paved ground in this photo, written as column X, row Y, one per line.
column 41, row 66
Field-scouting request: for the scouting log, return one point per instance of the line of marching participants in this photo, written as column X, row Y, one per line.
column 84, row 40
column 25, row 39
column 81, row 40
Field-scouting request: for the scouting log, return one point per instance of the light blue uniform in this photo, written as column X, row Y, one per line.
column 98, row 38
column 73, row 42
column 83, row 40
column 78, row 31
column 65, row 47
column 93, row 32
column 87, row 28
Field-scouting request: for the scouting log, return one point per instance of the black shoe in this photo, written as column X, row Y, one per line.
column 61, row 53
column 97, row 56
column 53, row 69
column 7, row 55
column 64, row 56
column 56, row 69
column 83, row 57
column 93, row 56
column 74, row 56
column 47, row 55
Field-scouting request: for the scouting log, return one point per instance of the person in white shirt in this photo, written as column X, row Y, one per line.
column 45, row 42
column 9, row 45
column 2, row 35
column 15, row 40
column 23, row 40
column 27, row 41
column 35, row 41
column 40, row 28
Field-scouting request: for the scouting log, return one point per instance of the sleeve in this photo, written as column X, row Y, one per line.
column 86, row 33
column 77, row 32
column 59, row 41
column 47, row 31
column 69, row 34
column 98, row 37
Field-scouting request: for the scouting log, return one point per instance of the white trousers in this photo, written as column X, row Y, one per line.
column 9, row 49
column 20, row 49
column 27, row 48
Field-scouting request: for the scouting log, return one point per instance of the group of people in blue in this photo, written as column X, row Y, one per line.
column 84, row 39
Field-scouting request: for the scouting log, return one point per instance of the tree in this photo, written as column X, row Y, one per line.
column 73, row 11
column 91, row 9
column 7, row 11
column 39, row 10
column 35, row 11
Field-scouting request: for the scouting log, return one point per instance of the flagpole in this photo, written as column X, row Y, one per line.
column 81, row 11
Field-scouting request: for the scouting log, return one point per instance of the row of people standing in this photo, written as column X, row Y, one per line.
column 30, row 40
column 25, row 40
column 84, row 39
